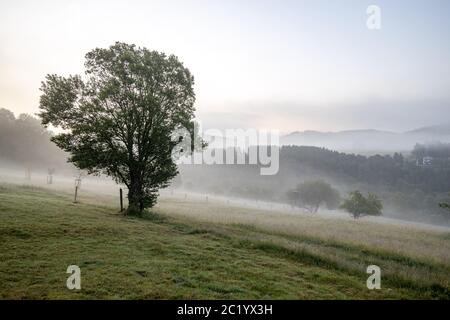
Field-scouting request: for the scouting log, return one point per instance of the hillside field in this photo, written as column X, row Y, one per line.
column 191, row 249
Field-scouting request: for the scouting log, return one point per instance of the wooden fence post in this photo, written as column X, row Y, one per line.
column 121, row 200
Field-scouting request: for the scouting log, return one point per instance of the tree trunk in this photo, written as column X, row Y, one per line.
column 135, row 200
column 133, row 208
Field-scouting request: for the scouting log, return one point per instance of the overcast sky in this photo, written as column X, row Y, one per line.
column 288, row 65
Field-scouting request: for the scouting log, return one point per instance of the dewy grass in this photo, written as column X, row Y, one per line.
column 191, row 250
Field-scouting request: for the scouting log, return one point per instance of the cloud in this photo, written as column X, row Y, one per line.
column 394, row 115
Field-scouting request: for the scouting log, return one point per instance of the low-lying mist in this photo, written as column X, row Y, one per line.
column 410, row 184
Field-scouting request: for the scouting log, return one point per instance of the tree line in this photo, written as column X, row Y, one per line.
column 395, row 171
column 25, row 143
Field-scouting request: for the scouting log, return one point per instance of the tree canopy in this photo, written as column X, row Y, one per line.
column 119, row 118
column 310, row 195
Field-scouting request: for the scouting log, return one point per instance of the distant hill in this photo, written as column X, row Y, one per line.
column 368, row 141
column 442, row 130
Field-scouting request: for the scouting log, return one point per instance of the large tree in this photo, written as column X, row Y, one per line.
column 120, row 118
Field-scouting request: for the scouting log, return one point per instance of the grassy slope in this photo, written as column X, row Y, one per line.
column 181, row 254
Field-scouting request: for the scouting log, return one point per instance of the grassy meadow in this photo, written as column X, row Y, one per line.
column 192, row 249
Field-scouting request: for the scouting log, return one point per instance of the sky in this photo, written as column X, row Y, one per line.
column 286, row 65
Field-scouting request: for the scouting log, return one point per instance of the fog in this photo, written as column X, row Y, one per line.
column 234, row 183
column 379, row 162
column 102, row 190
column 369, row 141
column 236, row 150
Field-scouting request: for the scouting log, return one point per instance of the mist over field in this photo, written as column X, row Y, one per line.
column 409, row 191
column 225, row 150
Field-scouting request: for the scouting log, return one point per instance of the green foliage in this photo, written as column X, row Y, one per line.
column 444, row 205
column 358, row 205
column 121, row 117
column 312, row 194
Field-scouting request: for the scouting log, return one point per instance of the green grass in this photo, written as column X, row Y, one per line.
column 192, row 250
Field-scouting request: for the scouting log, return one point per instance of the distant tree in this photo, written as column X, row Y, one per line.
column 358, row 205
column 398, row 159
column 445, row 205
column 419, row 151
column 24, row 142
column 6, row 115
column 435, row 150
column 310, row 195
column 120, row 120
